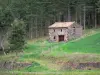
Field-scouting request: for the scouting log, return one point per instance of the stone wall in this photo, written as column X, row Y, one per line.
column 78, row 32
column 89, row 65
column 10, row 65
column 69, row 33
column 56, row 32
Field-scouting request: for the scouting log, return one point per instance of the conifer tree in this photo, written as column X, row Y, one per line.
column 17, row 37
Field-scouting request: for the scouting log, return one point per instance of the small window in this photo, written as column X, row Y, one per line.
column 54, row 37
column 61, row 30
column 54, row 30
column 74, row 30
column 73, row 27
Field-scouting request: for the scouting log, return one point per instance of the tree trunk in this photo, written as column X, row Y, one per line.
column 95, row 19
column 1, row 44
column 36, row 27
column 76, row 15
column 54, row 18
column 2, row 47
column 59, row 17
column 69, row 15
column 80, row 18
column 31, row 29
column 0, row 41
column 48, row 23
column 84, row 16
column 41, row 28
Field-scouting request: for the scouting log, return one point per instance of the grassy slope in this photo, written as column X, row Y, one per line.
column 89, row 44
column 41, row 54
column 40, row 47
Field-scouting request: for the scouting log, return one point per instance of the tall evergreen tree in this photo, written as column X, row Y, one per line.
column 17, row 37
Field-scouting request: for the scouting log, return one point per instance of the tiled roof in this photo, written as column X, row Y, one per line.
column 61, row 24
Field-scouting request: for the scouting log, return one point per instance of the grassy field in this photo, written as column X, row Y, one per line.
column 53, row 73
column 48, row 57
column 90, row 44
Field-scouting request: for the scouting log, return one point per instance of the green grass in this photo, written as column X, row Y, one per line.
column 78, row 72
column 90, row 44
column 35, row 67
column 51, row 51
column 34, row 49
column 43, row 55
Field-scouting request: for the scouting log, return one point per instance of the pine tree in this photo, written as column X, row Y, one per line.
column 17, row 37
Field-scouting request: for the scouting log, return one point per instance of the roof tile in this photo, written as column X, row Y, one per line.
column 61, row 24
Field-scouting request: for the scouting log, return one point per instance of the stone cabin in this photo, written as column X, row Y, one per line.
column 64, row 31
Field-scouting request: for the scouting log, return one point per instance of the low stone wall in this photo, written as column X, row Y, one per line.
column 89, row 65
column 8, row 65
column 82, row 66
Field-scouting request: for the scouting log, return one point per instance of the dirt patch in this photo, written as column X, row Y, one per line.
column 67, row 65
column 8, row 65
column 83, row 66
column 89, row 65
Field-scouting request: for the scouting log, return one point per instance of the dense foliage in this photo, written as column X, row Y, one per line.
column 17, row 37
column 39, row 14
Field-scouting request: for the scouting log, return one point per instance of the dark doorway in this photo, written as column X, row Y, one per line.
column 61, row 38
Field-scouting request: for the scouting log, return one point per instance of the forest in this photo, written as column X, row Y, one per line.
column 37, row 15
column 25, row 46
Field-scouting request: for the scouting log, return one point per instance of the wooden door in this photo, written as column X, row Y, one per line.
column 61, row 38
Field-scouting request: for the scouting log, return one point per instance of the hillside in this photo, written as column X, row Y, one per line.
column 90, row 44
column 28, row 29
column 64, row 58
